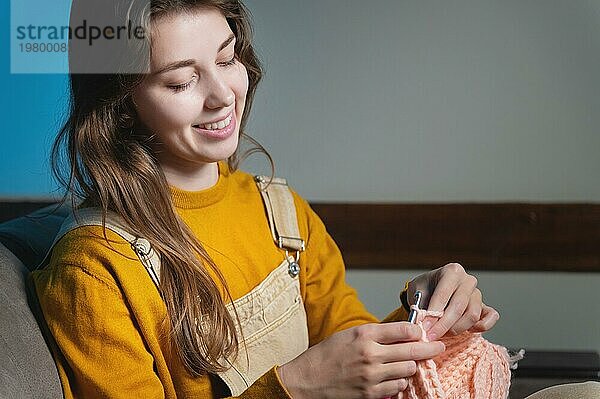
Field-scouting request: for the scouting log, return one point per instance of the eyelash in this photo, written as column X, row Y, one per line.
column 181, row 87
column 185, row 86
column 230, row 62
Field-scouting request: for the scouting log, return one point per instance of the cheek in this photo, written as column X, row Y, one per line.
column 166, row 112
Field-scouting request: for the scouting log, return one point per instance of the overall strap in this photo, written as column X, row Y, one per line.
column 281, row 212
column 93, row 217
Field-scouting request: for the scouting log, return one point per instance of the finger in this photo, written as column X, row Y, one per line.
column 451, row 276
column 389, row 388
column 410, row 351
column 471, row 316
column 455, row 309
column 489, row 317
column 389, row 333
column 396, row 370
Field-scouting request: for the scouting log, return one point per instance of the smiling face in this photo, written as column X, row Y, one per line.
column 193, row 99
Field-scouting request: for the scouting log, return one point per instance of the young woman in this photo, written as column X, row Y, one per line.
column 161, row 150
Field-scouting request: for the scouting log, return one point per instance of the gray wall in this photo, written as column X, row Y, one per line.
column 441, row 101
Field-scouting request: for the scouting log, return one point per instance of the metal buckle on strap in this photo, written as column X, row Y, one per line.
column 293, row 267
column 287, row 255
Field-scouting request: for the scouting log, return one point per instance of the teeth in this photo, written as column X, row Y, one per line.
column 219, row 125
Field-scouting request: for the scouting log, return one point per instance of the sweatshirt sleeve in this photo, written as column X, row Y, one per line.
column 269, row 385
column 331, row 304
column 102, row 353
column 399, row 314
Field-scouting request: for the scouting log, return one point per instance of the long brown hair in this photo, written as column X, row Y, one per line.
column 103, row 156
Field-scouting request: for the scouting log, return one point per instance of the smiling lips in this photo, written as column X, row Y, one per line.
column 216, row 125
column 220, row 130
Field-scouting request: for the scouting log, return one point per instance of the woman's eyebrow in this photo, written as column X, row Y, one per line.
column 185, row 63
column 226, row 42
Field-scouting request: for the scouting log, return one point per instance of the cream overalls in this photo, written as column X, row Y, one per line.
column 272, row 315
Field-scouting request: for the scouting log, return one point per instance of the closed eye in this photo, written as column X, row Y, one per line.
column 230, row 62
column 181, row 87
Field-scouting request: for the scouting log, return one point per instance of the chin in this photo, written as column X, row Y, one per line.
column 225, row 150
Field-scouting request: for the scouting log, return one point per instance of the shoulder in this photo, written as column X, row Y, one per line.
column 95, row 270
column 91, row 252
column 307, row 217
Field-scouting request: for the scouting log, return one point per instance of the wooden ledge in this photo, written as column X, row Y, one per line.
column 493, row 236
column 488, row 236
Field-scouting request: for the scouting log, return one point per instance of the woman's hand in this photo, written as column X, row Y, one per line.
column 368, row 361
column 452, row 290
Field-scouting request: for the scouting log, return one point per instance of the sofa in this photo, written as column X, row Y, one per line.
column 27, row 369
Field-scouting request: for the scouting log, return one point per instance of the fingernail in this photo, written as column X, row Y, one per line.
column 427, row 324
column 432, row 336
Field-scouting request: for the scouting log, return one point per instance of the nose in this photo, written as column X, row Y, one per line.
column 219, row 94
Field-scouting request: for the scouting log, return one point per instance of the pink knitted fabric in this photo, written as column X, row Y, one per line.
column 470, row 368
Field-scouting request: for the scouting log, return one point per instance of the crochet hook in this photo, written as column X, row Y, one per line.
column 412, row 316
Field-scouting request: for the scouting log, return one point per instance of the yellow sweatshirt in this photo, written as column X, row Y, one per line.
column 105, row 314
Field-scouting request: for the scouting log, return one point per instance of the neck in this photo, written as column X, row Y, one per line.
column 193, row 178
